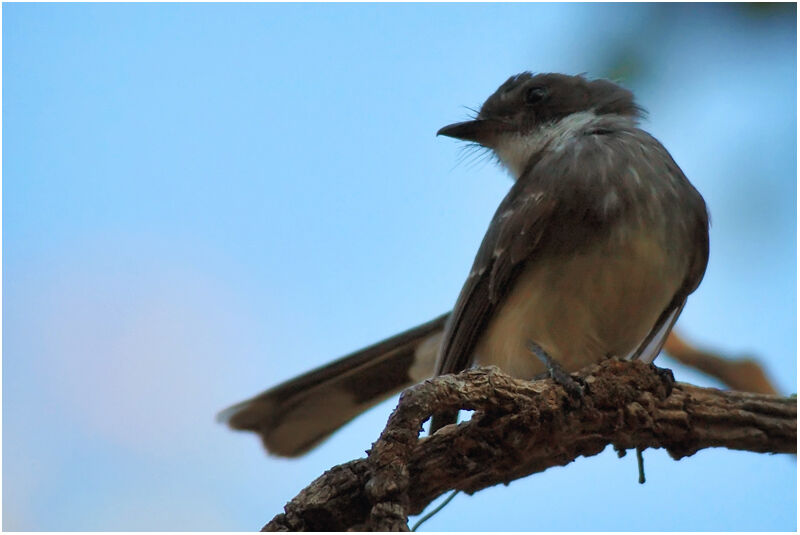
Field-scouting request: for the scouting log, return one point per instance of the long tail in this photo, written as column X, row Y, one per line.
column 295, row 416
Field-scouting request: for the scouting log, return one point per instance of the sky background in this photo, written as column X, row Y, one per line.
column 201, row 201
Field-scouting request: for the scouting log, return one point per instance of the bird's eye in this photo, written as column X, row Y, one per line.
column 535, row 94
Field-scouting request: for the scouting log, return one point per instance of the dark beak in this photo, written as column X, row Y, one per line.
column 482, row 131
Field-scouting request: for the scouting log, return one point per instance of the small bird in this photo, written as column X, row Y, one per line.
column 591, row 255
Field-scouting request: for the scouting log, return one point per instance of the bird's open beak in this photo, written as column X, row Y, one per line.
column 481, row 131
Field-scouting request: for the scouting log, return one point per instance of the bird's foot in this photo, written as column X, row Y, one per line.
column 556, row 372
column 666, row 376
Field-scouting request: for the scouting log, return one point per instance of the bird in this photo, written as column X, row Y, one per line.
column 591, row 255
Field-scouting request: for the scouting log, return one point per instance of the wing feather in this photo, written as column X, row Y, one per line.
column 514, row 233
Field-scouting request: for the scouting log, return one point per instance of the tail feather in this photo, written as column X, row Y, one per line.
column 295, row 416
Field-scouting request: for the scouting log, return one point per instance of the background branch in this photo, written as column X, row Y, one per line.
column 743, row 373
column 522, row 427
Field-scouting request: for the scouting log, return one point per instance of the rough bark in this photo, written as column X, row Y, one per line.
column 522, row 427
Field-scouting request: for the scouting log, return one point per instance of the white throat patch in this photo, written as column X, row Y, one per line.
column 515, row 150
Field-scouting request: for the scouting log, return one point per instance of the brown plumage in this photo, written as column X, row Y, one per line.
column 598, row 243
column 592, row 254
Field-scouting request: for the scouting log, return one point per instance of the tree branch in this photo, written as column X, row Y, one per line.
column 743, row 373
column 523, row 427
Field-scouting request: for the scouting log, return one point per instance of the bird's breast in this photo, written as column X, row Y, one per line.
column 581, row 307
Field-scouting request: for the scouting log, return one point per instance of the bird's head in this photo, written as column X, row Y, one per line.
column 527, row 108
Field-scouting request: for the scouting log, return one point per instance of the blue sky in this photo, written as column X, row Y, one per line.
column 201, row 201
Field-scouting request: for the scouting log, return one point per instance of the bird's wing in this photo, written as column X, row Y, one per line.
column 512, row 238
column 698, row 222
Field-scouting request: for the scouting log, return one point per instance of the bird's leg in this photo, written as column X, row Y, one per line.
column 556, row 371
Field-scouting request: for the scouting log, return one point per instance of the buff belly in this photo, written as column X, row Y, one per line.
column 581, row 308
